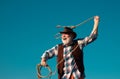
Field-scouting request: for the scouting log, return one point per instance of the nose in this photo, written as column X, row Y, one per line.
column 63, row 35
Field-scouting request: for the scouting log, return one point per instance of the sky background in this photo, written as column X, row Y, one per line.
column 27, row 29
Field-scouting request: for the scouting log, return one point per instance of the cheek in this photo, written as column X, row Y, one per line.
column 65, row 36
column 62, row 36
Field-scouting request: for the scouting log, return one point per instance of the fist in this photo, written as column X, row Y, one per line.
column 96, row 18
column 43, row 62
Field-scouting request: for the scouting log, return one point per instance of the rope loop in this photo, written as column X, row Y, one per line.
column 39, row 67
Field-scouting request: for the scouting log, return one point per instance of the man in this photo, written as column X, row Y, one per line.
column 71, row 51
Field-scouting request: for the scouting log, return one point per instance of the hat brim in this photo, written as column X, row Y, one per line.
column 73, row 33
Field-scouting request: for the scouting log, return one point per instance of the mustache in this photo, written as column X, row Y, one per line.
column 64, row 38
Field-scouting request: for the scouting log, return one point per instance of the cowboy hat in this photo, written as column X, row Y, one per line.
column 68, row 30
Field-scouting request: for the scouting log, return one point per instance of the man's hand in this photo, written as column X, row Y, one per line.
column 95, row 27
column 96, row 19
column 43, row 62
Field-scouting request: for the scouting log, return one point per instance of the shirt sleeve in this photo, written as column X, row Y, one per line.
column 50, row 53
column 85, row 41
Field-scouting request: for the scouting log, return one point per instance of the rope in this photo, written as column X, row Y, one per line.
column 84, row 21
column 39, row 67
column 74, row 26
column 57, row 36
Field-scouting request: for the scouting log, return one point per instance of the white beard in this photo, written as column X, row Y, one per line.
column 66, row 41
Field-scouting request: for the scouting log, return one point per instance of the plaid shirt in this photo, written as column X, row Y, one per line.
column 70, row 66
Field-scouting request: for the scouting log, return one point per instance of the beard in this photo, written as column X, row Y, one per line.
column 66, row 41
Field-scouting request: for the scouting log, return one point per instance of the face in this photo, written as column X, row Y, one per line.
column 66, row 39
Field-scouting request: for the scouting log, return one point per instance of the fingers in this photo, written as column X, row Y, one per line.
column 43, row 62
column 96, row 17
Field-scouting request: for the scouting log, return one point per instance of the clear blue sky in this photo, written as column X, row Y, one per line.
column 27, row 29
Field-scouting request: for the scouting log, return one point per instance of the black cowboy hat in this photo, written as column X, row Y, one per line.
column 68, row 30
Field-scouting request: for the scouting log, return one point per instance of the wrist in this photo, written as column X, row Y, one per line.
column 43, row 59
column 96, row 22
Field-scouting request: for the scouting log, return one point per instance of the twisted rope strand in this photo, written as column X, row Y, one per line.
column 84, row 21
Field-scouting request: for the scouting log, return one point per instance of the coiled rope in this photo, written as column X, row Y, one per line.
column 39, row 67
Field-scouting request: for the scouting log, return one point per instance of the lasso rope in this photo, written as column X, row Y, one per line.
column 84, row 21
column 74, row 26
column 57, row 36
column 39, row 66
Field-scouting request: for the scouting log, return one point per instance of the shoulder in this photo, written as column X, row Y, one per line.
column 79, row 40
column 60, row 45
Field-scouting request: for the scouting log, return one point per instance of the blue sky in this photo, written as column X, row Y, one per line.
column 27, row 29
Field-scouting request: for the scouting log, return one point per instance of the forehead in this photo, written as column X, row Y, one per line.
column 66, row 34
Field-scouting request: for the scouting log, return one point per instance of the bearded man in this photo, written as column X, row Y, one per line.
column 71, row 50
